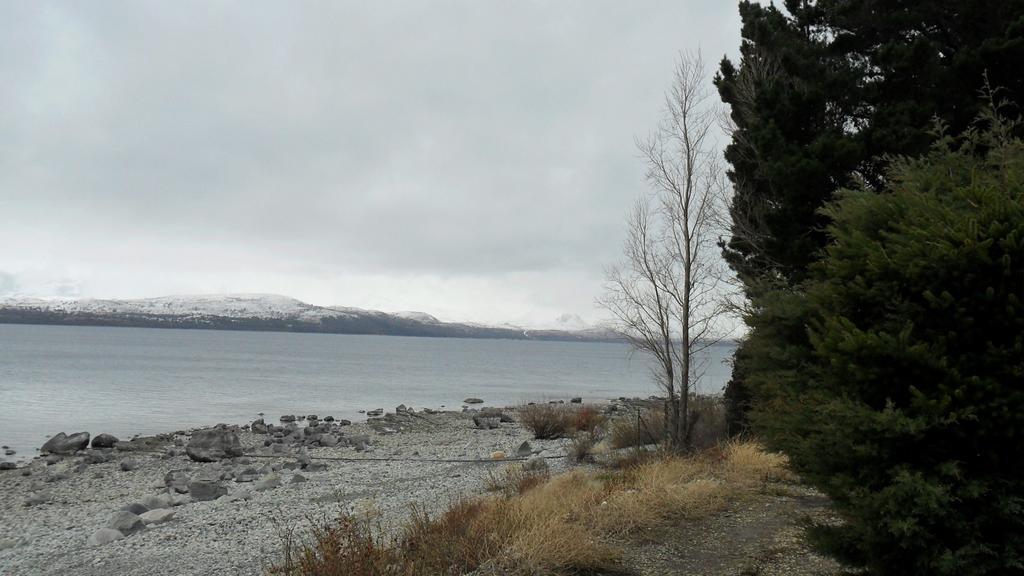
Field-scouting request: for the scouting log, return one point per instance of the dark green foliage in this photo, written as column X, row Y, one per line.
column 826, row 90
column 894, row 375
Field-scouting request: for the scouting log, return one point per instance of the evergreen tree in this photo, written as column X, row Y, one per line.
column 823, row 93
column 894, row 377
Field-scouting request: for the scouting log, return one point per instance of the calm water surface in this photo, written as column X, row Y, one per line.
column 129, row 381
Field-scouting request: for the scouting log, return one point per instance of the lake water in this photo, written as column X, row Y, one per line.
column 127, row 381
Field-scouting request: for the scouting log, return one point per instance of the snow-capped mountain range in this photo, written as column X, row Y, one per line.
column 270, row 312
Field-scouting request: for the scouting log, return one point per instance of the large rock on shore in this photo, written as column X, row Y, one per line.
column 206, row 489
column 126, row 523
column 64, row 444
column 158, row 516
column 177, row 480
column 213, row 445
column 259, row 427
column 104, row 441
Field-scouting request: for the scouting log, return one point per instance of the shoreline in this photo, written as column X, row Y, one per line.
column 53, row 505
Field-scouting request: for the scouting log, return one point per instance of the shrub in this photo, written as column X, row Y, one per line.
column 582, row 446
column 709, row 421
column 546, row 421
column 894, row 378
column 588, row 419
column 549, row 421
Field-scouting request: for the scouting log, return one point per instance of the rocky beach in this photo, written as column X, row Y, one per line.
column 224, row 500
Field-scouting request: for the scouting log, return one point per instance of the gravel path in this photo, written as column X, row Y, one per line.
column 47, row 517
column 762, row 536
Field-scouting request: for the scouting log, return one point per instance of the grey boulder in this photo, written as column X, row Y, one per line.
column 64, row 444
column 158, row 501
column 157, row 516
column 268, row 482
column 136, row 508
column 486, row 423
column 259, row 427
column 104, row 536
column 177, row 480
column 206, row 489
column 126, row 523
column 473, row 401
column 213, row 445
column 104, row 441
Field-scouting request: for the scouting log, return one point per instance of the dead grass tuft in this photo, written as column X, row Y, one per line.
column 561, row 525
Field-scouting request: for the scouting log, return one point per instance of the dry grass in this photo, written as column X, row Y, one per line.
column 548, row 421
column 516, row 479
column 626, row 432
column 563, row 525
column 707, row 414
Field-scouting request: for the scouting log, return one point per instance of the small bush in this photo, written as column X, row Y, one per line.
column 546, row 421
column 710, row 427
column 582, row 446
column 588, row 419
column 549, row 421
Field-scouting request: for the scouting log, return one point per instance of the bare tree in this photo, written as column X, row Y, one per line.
column 667, row 294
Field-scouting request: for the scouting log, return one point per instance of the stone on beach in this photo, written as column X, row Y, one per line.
column 205, row 489
column 126, row 523
column 486, row 423
column 177, row 480
column 158, row 516
column 104, row 536
column 259, row 427
column 104, row 440
column 328, row 440
column 473, row 401
column 158, row 501
column 213, row 444
column 497, row 455
column 136, row 508
column 8, row 465
column 268, row 482
column 524, row 449
column 129, row 464
column 496, row 413
column 64, row 444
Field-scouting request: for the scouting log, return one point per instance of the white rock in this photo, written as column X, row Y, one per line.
column 158, row 516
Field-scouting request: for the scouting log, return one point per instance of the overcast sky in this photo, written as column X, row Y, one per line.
column 470, row 159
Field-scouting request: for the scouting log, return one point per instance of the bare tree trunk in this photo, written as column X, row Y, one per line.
column 670, row 287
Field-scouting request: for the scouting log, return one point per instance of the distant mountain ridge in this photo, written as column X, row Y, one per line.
column 268, row 312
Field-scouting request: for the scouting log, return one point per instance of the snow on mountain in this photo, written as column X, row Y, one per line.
column 204, row 310
column 417, row 316
column 267, row 306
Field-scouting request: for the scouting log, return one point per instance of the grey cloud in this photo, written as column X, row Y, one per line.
column 471, row 138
